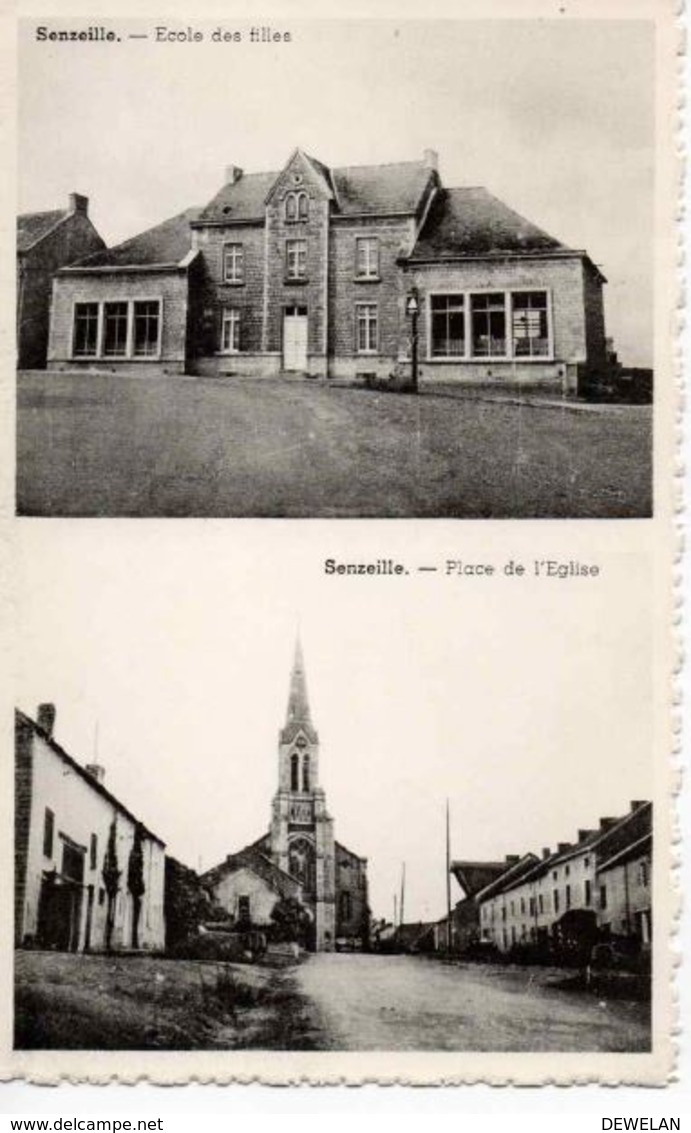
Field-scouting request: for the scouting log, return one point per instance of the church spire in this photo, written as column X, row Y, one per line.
column 298, row 715
column 298, row 703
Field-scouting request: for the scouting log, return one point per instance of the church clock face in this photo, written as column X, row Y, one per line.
column 301, row 813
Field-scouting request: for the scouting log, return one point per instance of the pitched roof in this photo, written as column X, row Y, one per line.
column 166, row 243
column 253, row 859
column 631, row 831
column 466, row 222
column 369, row 189
column 33, row 226
column 474, row 876
column 22, row 720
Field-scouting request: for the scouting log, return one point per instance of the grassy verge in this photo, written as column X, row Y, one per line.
column 72, row 1002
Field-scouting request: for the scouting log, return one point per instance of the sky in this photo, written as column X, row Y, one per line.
column 527, row 704
column 555, row 118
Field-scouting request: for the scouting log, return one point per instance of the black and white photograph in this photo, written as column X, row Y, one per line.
column 335, row 269
column 295, row 832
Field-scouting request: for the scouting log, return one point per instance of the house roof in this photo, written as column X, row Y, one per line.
column 632, row 830
column 359, row 189
column 474, row 876
column 468, row 222
column 33, row 226
column 163, row 245
column 253, row 859
column 512, row 875
column 27, row 722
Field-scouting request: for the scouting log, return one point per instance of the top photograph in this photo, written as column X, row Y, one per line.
column 335, row 269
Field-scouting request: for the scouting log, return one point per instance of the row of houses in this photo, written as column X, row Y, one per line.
column 597, row 887
column 335, row 272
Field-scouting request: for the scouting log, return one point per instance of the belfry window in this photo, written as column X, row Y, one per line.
column 295, row 772
column 306, row 773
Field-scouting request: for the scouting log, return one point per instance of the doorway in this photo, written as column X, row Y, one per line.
column 295, row 339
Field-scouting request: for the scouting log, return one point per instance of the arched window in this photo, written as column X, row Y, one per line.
column 306, row 773
column 295, row 772
column 296, row 207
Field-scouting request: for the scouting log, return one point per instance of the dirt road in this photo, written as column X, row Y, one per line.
column 410, row 1003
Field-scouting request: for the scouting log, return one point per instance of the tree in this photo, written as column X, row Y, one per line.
column 291, row 920
column 135, row 880
column 111, row 881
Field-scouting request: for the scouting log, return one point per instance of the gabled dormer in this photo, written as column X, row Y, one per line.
column 302, row 180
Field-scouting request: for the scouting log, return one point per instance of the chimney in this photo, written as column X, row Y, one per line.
column 636, row 804
column 511, row 859
column 78, row 203
column 96, row 771
column 606, row 823
column 562, row 847
column 232, row 174
column 430, row 158
column 546, row 853
column 583, row 835
column 45, row 718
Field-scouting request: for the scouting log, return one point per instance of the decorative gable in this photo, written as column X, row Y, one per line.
column 302, row 174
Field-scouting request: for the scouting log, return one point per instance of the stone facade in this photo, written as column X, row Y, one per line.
column 311, row 270
column 45, row 243
column 65, row 819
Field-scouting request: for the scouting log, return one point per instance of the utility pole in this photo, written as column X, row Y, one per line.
column 395, row 910
column 402, row 893
column 449, row 936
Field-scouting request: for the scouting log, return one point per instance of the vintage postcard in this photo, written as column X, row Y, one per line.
column 386, row 797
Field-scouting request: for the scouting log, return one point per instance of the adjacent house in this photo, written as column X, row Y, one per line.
column 89, row 875
column 600, row 882
column 624, row 876
column 46, row 241
column 339, row 272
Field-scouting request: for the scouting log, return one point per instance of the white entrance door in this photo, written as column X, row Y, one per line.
column 295, row 338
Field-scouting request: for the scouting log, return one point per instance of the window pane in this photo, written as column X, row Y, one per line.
column 529, row 324
column 115, row 328
column 448, row 325
column 146, row 327
column 489, row 325
column 233, row 263
column 85, row 328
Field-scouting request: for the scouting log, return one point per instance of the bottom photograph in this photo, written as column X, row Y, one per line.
column 464, row 862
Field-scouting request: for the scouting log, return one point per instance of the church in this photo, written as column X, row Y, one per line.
column 299, row 857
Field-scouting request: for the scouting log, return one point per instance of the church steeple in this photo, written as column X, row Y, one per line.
column 298, row 715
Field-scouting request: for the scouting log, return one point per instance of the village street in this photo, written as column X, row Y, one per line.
column 411, row 1003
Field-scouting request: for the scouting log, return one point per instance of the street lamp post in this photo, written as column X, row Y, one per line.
column 412, row 309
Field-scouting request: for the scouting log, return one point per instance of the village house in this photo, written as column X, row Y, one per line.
column 299, row 857
column 593, row 877
column 89, row 875
column 339, row 273
column 47, row 241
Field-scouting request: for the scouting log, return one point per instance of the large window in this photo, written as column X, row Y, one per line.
column 233, row 263
column 448, row 325
column 122, row 328
column 146, row 327
column 530, row 327
column 296, row 259
column 488, row 316
column 115, row 329
column 367, row 333
column 230, row 332
column 85, row 341
column 367, row 257
column 490, row 324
